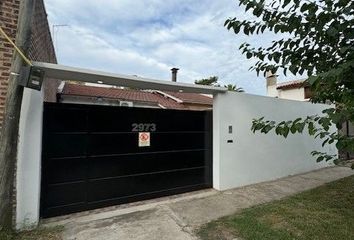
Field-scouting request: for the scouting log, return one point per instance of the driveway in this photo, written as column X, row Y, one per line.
column 178, row 217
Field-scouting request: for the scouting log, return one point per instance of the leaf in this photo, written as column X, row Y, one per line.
column 293, row 69
column 286, row 132
column 324, row 142
column 312, row 79
column 246, row 30
column 286, row 2
column 304, row 7
column 263, row 28
column 278, row 131
column 293, row 129
column 311, row 128
column 300, row 127
column 277, row 57
column 320, row 159
column 248, row 6
column 332, row 31
column 284, row 71
column 226, row 23
column 237, row 29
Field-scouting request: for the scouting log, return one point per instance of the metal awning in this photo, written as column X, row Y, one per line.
column 86, row 75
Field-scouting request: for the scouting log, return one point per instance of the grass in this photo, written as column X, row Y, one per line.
column 324, row 213
column 37, row 234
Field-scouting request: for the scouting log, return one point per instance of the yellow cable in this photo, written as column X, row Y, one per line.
column 17, row 49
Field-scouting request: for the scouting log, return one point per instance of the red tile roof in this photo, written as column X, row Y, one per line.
column 291, row 84
column 192, row 98
column 122, row 94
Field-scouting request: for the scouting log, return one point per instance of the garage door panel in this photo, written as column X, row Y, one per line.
column 120, row 143
column 59, row 210
column 121, row 165
column 65, row 194
column 120, row 187
column 61, row 119
column 65, row 169
column 65, row 145
column 171, row 120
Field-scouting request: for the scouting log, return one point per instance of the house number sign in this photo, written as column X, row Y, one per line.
column 143, row 127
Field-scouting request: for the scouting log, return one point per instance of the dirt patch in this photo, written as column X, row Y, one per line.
column 37, row 234
column 217, row 231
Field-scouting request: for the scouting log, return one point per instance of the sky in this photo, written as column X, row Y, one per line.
column 148, row 37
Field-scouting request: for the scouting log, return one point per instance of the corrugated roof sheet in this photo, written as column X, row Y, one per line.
column 192, row 98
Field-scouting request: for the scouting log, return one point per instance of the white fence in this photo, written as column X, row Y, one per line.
column 250, row 158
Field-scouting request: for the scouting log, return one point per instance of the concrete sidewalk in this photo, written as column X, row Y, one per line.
column 178, row 218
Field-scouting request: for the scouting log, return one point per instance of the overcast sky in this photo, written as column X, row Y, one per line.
column 148, row 37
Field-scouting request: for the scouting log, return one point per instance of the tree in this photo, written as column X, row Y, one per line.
column 321, row 46
column 9, row 131
column 233, row 88
column 211, row 81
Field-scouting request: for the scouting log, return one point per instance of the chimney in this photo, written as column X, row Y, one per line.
column 271, row 84
column 271, row 78
column 174, row 74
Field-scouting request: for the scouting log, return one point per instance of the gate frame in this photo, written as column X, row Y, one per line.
column 28, row 172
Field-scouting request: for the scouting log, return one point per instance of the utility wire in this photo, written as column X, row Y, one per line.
column 17, row 49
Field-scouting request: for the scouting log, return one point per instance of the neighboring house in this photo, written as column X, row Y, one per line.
column 41, row 46
column 83, row 94
column 293, row 90
column 300, row 91
column 191, row 101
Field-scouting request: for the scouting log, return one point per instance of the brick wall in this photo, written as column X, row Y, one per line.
column 41, row 46
column 42, row 49
column 8, row 21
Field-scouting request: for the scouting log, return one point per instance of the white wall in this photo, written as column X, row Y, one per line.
column 29, row 160
column 253, row 158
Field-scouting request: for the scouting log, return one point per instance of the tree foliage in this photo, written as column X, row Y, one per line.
column 211, row 81
column 233, row 88
column 320, row 44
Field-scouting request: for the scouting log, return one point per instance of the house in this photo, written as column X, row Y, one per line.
column 300, row 91
column 79, row 157
column 69, row 92
column 293, row 90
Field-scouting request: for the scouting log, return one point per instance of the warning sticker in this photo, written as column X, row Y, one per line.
column 144, row 139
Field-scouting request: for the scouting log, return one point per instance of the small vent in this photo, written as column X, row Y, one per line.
column 125, row 104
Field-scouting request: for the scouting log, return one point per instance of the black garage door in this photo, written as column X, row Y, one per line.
column 92, row 158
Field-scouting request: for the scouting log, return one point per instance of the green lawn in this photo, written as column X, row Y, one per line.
column 324, row 213
column 38, row 234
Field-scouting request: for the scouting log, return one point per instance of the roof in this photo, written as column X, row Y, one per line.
column 122, row 94
column 291, row 84
column 56, row 71
column 192, row 98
